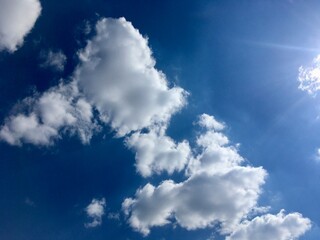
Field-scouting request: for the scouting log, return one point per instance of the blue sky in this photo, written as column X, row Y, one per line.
column 159, row 120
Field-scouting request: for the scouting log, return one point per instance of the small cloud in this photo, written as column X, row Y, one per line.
column 55, row 60
column 211, row 237
column 87, row 28
column 258, row 210
column 309, row 77
column 95, row 211
column 29, row 202
column 114, row 216
column 317, row 155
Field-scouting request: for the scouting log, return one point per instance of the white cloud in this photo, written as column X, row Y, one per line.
column 95, row 211
column 309, row 77
column 156, row 153
column 60, row 109
column 281, row 227
column 17, row 18
column 317, row 155
column 27, row 129
column 217, row 190
column 118, row 76
column 210, row 122
column 55, row 60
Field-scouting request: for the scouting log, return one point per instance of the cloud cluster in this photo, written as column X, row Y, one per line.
column 54, row 60
column 17, row 18
column 59, row 110
column 309, row 77
column 116, row 83
column 280, row 227
column 95, row 211
column 118, row 76
column 218, row 189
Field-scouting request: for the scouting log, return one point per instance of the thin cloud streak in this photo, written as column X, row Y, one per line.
column 280, row 46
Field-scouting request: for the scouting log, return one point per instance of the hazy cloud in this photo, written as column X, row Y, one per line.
column 54, row 60
column 114, row 216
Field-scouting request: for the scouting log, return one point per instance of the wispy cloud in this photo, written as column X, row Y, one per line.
column 54, row 60
column 280, row 46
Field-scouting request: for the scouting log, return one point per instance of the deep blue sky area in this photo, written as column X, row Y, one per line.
column 239, row 61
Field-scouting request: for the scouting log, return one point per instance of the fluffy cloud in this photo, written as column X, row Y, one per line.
column 118, row 76
column 17, row 18
column 280, row 227
column 217, row 190
column 210, row 122
column 309, row 77
column 55, row 60
column 156, row 153
column 45, row 117
column 95, row 211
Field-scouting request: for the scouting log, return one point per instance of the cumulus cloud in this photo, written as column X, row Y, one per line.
column 118, row 76
column 46, row 117
column 280, row 226
column 55, row 60
column 309, row 77
column 95, row 211
column 117, row 79
column 17, row 18
column 156, row 152
column 217, row 190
